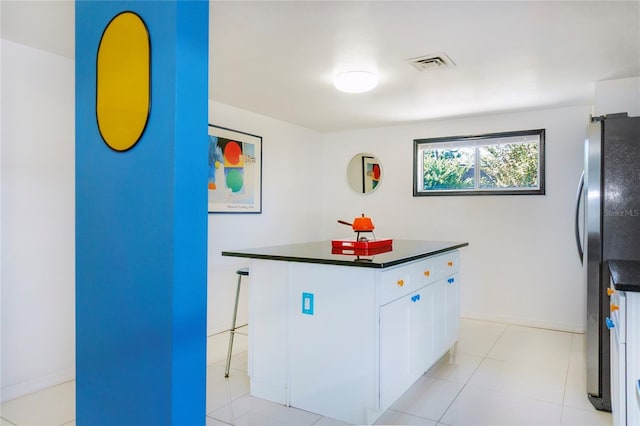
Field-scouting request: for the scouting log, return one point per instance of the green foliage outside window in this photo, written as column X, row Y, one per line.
column 509, row 165
column 446, row 169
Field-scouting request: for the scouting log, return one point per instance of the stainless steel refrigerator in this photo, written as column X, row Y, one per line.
column 608, row 214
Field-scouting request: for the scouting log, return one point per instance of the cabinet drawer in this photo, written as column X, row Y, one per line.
column 396, row 283
column 405, row 279
column 425, row 272
column 447, row 264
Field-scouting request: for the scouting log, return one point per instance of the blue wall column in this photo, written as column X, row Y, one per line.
column 141, row 228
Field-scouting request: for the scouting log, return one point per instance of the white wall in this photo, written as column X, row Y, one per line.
column 38, row 235
column 521, row 265
column 615, row 96
column 291, row 184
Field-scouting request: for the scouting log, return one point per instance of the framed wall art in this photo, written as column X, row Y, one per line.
column 235, row 171
column 370, row 173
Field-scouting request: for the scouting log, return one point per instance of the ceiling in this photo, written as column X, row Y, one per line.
column 277, row 58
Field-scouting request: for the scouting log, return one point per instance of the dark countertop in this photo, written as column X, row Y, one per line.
column 402, row 251
column 625, row 274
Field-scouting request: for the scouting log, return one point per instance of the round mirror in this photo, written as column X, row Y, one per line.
column 364, row 173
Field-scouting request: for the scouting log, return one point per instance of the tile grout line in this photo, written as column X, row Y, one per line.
column 232, row 417
column 229, row 403
column 6, row 420
column 562, row 406
column 226, row 331
column 471, row 375
column 216, row 419
column 566, row 377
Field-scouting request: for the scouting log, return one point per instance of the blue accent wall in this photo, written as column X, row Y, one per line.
column 141, row 229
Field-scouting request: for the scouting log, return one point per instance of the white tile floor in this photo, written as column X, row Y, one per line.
column 502, row 375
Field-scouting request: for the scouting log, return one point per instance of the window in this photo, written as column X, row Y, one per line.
column 492, row 164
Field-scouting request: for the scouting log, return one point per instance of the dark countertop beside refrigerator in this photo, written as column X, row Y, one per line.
column 625, row 274
column 400, row 252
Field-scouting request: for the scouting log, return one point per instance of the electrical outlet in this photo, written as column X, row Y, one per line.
column 307, row 303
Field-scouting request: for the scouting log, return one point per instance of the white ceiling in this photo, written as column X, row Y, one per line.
column 278, row 58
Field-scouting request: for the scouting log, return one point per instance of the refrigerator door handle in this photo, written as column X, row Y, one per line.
column 579, row 196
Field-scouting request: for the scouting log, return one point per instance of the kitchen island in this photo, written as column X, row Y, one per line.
column 343, row 332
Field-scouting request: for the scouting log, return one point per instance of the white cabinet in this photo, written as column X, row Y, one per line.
column 440, row 346
column 422, row 330
column 449, row 312
column 624, row 326
column 345, row 342
column 406, row 342
column 452, row 314
column 417, row 328
column 616, row 325
column 395, row 343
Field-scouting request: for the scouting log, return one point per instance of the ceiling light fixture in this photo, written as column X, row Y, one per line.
column 355, row 81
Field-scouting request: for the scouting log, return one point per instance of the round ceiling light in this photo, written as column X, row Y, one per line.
column 355, row 81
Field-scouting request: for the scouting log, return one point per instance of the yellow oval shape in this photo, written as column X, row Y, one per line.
column 123, row 81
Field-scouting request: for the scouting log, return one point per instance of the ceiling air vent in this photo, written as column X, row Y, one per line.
column 431, row 62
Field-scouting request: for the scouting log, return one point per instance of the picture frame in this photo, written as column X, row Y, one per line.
column 370, row 173
column 235, row 171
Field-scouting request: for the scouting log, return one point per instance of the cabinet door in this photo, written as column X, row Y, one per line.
column 439, row 292
column 407, row 332
column 616, row 325
column 618, row 399
column 446, row 314
column 395, row 371
column 452, row 314
column 421, row 325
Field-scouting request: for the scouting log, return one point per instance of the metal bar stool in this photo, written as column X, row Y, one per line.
column 242, row 272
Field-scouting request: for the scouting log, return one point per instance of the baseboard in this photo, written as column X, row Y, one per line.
column 526, row 322
column 21, row 389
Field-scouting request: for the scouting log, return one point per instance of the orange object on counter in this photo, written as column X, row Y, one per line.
column 360, row 224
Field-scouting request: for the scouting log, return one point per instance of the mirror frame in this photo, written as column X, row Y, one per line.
column 359, row 179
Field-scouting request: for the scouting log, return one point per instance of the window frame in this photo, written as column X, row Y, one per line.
column 467, row 141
